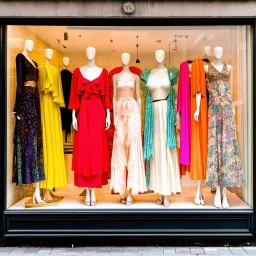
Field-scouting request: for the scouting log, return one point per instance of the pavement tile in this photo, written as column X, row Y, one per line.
column 210, row 251
column 195, row 251
column 250, row 250
column 19, row 250
column 182, row 249
column 44, row 250
column 6, row 249
column 156, row 252
column 224, row 250
column 169, row 252
column 32, row 250
column 143, row 250
column 237, row 250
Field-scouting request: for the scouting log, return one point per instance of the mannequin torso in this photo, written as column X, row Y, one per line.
column 159, row 84
column 90, row 72
column 218, row 66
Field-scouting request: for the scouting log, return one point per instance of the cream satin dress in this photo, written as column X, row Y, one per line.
column 164, row 167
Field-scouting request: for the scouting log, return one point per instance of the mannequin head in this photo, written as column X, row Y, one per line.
column 66, row 61
column 90, row 52
column 125, row 58
column 29, row 45
column 48, row 53
column 208, row 50
column 218, row 52
column 159, row 54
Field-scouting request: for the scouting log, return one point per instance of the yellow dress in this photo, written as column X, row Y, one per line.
column 51, row 99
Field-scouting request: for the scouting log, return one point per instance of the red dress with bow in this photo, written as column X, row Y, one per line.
column 90, row 154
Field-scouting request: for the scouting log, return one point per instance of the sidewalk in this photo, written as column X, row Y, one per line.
column 129, row 251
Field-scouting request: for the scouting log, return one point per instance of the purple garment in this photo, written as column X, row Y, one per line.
column 183, row 107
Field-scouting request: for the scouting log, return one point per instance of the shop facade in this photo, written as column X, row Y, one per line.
column 182, row 29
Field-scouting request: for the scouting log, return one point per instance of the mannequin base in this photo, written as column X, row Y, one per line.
column 29, row 203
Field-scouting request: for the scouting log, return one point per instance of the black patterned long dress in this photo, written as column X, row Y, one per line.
column 28, row 165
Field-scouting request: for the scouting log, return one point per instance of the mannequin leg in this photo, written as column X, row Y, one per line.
column 225, row 203
column 88, row 197
column 47, row 196
column 129, row 198
column 217, row 198
column 199, row 200
column 93, row 197
column 160, row 200
column 36, row 195
column 166, row 202
column 122, row 198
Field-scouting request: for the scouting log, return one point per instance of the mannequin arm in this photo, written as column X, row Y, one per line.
column 108, row 122
column 198, row 101
column 13, row 115
column 138, row 92
column 74, row 120
column 114, row 100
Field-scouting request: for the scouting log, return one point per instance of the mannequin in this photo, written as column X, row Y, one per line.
column 91, row 72
column 48, row 196
column 208, row 51
column 65, row 62
column 48, row 55
column 125, row 85
column 198, row 66
column 36, row 135
column 160, row 113
column 220, row 199
column 66, row 114
column 54, row 165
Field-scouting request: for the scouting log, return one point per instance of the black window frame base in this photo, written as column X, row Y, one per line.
column 120, row 227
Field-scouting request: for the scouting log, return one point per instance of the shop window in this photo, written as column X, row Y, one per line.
column 41, row 140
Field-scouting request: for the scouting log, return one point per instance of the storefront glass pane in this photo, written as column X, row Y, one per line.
column 179, row 44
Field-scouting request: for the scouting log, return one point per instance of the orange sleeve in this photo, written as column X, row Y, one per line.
column 193, row 79
column 74, row 100
column 202, row 79
column 197, row 77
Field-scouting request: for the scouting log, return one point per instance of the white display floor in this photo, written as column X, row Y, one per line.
column 106, row 200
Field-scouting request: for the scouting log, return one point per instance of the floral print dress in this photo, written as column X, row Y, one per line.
column 223, row 163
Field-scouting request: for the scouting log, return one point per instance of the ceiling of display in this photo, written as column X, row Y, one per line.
column 123, row 39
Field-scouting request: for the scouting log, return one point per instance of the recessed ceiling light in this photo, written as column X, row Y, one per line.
column 158, row 41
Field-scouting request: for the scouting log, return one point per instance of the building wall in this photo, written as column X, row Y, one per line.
column 144, row 9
